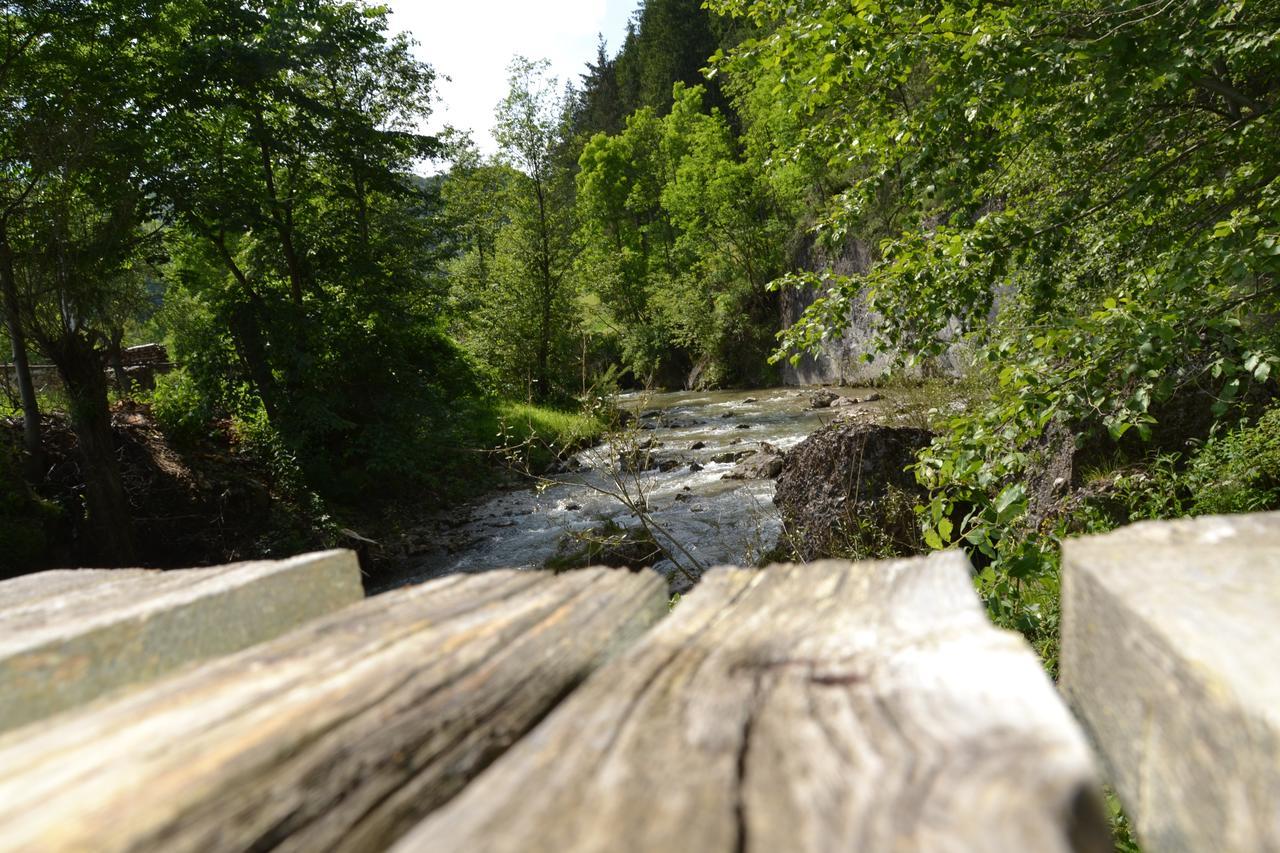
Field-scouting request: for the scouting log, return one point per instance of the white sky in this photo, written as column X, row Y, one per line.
column 472, row 42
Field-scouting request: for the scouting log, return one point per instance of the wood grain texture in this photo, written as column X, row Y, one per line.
column 1171, row 654
column 338, row 736
column 68, row 637
column 831, row 706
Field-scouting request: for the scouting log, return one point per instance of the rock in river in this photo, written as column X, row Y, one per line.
column 760, row 465
column 847, row 484
column 822, row 399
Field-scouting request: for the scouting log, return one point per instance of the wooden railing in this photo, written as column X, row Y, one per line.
column 1171, row 656
column 852, row 706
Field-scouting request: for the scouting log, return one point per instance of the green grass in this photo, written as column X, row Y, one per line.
column 487, row 437
column 536, row 436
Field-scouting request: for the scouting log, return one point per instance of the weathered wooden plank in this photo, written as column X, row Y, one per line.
column 338, row 736
column 27, row 590
column 1171, row 654
column 832, row 706
column 67, row 637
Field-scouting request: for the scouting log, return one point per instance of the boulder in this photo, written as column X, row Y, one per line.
column 1052, row 470
column 845, row 491
column 730, row 457
column 761, row 465
column 822, row 399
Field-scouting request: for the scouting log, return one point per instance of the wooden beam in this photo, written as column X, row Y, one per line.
column 68, row 637
column 339, row 736
column 1171, row 654
column 830, row 706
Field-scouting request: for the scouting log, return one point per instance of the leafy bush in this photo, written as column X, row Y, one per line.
column 182, row 409
column 1240, row 471
column 1235, row 472
column 258, row 440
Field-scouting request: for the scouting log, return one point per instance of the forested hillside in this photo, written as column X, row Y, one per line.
column 1075, row 202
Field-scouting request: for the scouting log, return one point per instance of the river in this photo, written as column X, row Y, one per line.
column 700, row 518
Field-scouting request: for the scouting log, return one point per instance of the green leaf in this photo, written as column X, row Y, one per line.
column 1010, row 503
column 1117, row 429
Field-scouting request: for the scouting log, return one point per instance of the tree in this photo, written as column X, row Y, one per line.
column 681, row 240
column 538, row 241
column 470, row 194
column 667, row 42
column 599, row 107
column 628, row 241
column 21, row 37
column 733, row 236
column 79, row 100
column 306, row 236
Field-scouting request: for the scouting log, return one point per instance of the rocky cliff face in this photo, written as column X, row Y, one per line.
column 842, row 360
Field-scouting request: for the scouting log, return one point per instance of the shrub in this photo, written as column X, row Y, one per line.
column 258, row 441
column 181, row 407
column 1239, row 471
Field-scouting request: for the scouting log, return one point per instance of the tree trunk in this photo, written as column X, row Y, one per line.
column 280, row 215
column 247, row 333
column 542, row 383
column 33, row 462
column 110, row 525
column 117, row 361
column 362, row 208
